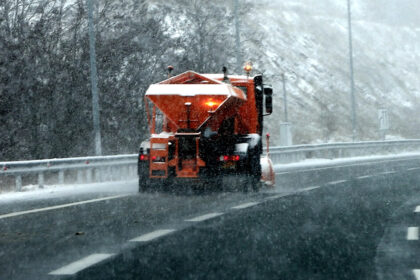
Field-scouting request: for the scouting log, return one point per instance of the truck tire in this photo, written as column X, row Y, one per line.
column 251, row 183
column 144, row 184
column 256, row 184
column 246, row 185
column 254, row 173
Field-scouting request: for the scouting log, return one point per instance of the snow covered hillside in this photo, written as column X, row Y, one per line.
column 309, row 42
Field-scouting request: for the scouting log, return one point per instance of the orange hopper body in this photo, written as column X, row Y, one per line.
column 190, row 100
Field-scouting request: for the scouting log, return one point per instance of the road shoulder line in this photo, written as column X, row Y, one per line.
column 245, row 205
column 152, row 235
column 336, row 182
column 204, row 217
column 20, row 213
column 81, row 264
column 417, row 273
column 412, row 233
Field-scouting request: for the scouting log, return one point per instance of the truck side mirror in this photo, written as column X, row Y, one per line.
column 268, row 92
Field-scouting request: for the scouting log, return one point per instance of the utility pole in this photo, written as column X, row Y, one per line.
column 286, row 119
column 94, row 82
column 238, row 39
column 353, row 98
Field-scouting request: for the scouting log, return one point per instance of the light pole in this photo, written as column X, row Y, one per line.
column 286, row 118
column 238, row 39
column 94, row 82
column 352, row 94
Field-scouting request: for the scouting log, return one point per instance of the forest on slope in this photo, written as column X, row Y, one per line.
column 45, row 96
column 45, row 91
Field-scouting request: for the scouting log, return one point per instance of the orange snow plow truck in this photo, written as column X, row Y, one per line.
column 206, row 129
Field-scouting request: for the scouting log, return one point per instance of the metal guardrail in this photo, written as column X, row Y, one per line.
column 109, row 168
column 297, row 153
column 82, row 169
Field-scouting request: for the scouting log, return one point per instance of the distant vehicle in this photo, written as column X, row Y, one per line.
column 206, row 128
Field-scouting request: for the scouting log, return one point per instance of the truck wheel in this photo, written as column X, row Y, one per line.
column 245, row 186
column 248, row 184
column 254, row 174
column 144, row 184
column 251, row 183
column 256, row 184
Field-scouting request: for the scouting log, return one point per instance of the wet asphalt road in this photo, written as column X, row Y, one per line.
column 327, row 223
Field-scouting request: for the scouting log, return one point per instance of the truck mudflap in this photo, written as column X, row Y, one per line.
column 268, row 176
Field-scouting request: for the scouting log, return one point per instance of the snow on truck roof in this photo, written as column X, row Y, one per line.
column 220, row 76
column 191, row 89
column 193, row 84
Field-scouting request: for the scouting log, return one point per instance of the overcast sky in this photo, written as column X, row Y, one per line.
column 406, row 12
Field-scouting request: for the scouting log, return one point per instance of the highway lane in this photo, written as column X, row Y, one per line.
column 35, row 244
column 398, row 251
column 332, row 232
column 65, row 234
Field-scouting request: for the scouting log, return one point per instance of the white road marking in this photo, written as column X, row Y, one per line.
column 309, row 188
column 292, row 193
column 204, row 217
column 413, row 233
column 14, row 214
column 364, row 177
column 152, row 235
column 417, row 209
column 279, row 196
column 417, row 273
column 81, row 264
column 245, row 205
column 336, row 182
column 414, row 168
column 388, row 172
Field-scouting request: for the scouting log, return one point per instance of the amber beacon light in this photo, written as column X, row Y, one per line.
column 248, row 68
column 212, row 105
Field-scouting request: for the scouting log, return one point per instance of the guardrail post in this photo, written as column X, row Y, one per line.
column 61, row 177
column 118, row 173
column 89, row 175
column 97, row 172
column 41, row 180
column 79, row 176
column 113, row 173
column 102, row 174
column 108, row 173
column 128, row 171
column 18, row 183
column 121, row 175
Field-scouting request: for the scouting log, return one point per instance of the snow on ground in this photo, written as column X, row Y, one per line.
column 31, row 192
